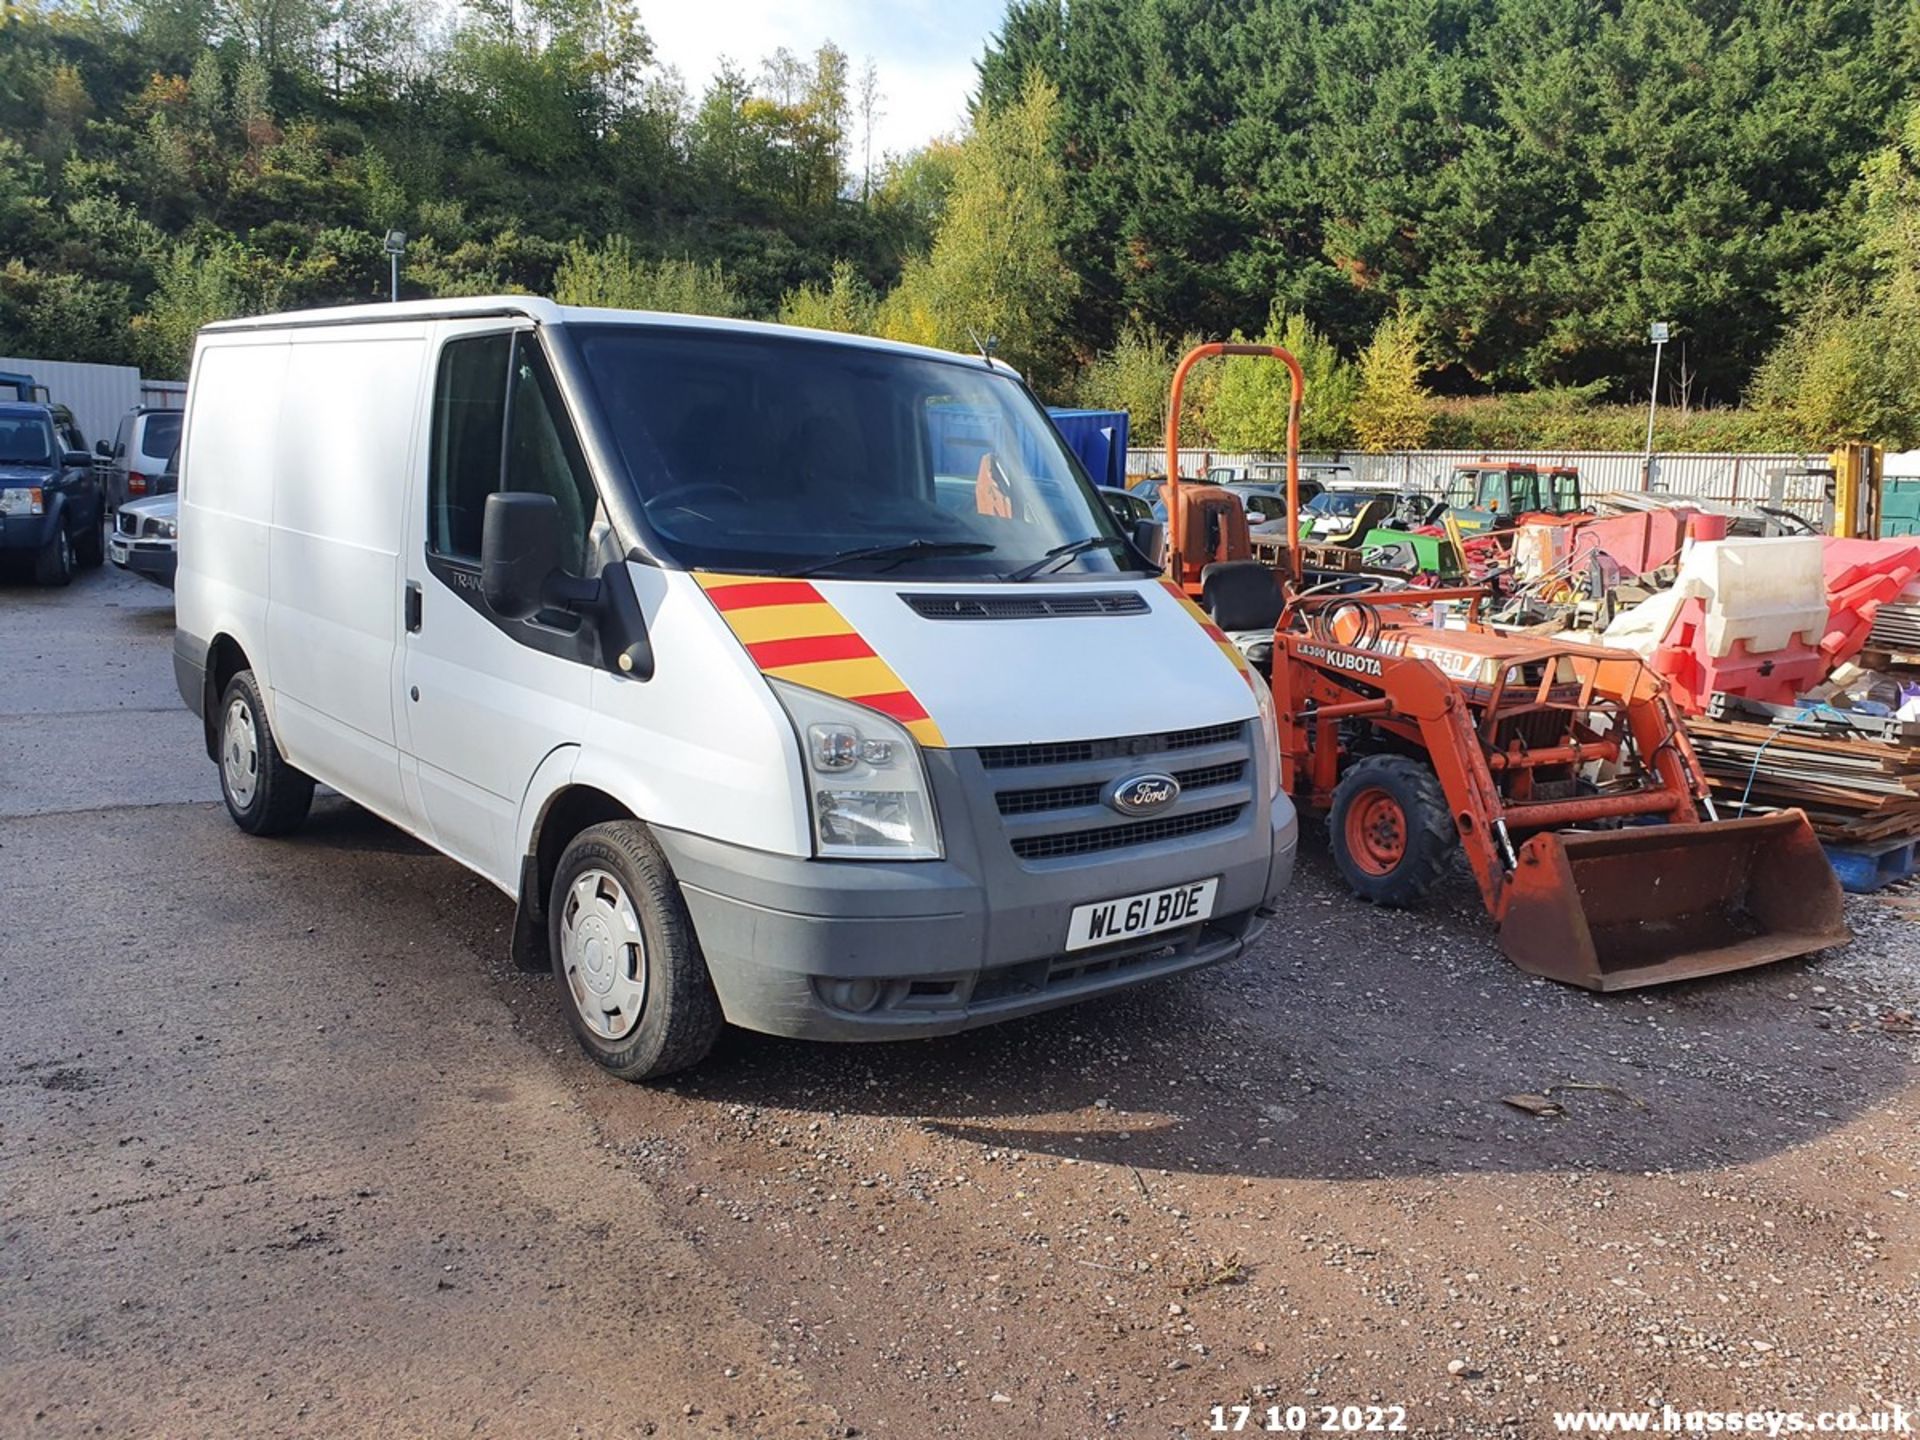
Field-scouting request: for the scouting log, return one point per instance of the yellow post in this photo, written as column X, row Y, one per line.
column 1858, row 469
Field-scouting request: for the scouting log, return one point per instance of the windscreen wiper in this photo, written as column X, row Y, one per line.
column 898, row 554
column 1060, row 554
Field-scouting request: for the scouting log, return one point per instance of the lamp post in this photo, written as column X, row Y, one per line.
column 1657, row 333
column 396, row 246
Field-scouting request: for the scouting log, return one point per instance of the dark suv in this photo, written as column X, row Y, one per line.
column 51, row 506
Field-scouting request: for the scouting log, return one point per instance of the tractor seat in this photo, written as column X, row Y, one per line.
column 1243, row 598
column 1240, row 595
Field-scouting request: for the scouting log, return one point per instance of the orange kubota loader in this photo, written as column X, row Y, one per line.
column 1562, row 771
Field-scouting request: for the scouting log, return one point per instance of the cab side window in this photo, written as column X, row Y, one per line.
column 498, row 425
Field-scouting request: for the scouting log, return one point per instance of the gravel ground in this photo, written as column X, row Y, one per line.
column 1293, row 1179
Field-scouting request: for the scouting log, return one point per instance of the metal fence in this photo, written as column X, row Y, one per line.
column 1730, row 479
column 98, row 395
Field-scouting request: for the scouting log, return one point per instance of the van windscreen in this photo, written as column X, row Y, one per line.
column 768, row 454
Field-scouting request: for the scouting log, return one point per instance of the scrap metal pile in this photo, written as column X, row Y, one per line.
column 1420, row 729
column 1793, row 655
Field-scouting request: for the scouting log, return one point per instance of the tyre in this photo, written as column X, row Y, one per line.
column 1391, row 833
column 264, row 794
column 632, row 978
column 53, row 562
column 91, row 548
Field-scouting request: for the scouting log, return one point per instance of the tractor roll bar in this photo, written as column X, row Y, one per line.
column 1298, row 384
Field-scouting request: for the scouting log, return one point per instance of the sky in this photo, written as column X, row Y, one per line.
column 924, row 50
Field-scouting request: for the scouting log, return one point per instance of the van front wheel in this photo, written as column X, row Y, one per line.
column 637, row 992
column 264, row 794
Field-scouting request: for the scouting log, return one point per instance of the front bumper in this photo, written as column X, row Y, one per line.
column 24, row 533
column 956, row 943
column 154, row 559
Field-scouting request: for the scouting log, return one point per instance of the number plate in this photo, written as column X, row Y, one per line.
column 117, row 551
column 1106, row 921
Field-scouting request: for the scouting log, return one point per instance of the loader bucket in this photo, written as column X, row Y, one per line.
column 1615, row 909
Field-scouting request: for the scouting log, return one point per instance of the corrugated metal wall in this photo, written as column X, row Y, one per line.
column 98, row 395
column 1736, row 479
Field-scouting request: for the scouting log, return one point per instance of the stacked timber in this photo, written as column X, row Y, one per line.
column 1896, row 627
column 1854, row 790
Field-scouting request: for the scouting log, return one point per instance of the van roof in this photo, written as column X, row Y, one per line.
column 543, row 311
column 17, row 408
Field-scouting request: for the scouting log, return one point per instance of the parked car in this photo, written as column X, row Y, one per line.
column 1149, row 489
column 147, row 439
column 659, row 625
column 50, row 504
column 1332, row 512
column 1317, row 474
column 1267, row 502
column 1128, row 507
column 145, row 539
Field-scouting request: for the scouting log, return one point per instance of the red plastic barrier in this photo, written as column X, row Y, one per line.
column 1776, row 677
column 1862, row 575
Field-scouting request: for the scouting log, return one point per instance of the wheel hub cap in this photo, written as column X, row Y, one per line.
column 603, row 954
column 240, row 753
column 1376, row 832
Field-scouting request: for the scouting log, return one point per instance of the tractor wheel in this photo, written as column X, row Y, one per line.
column 1391, row 831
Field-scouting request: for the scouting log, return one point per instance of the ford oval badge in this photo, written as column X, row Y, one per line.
column 1143, row 794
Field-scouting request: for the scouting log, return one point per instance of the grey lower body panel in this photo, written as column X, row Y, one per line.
column 858, row 950
column 190, row 671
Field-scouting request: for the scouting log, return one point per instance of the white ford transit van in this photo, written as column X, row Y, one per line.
column 785, row 679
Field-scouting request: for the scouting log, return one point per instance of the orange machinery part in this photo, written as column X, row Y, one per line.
column 1176, row 542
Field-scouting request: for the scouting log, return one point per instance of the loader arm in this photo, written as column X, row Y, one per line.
column 1607, row 882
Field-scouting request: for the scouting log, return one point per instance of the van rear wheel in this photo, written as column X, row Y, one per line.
column 264, row 794
column 624, row 951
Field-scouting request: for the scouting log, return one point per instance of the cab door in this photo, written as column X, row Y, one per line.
column 486, row 699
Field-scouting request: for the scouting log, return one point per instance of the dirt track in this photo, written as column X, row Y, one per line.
column 286, row 1149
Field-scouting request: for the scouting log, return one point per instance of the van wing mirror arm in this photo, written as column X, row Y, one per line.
column 614, row 608
column 625, row 647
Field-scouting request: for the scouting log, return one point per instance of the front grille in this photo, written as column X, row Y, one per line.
column 1051, row 796
column 1026, row 607
column 1115, row 837
column 1070, row 797
column 126, row 524
column 1128, row 747
column 1534, row 729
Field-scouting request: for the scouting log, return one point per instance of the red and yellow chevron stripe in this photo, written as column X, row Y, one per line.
column 1214, row 633
column 793, row 633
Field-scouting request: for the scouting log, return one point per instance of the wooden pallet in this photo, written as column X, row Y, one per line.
column 1855, row 791
column 1864, row 869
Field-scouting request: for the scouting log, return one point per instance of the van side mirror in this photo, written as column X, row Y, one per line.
column 523, row 571
column 103, row 450
column 1150, row 539
column 76, row 460
column 520, row 551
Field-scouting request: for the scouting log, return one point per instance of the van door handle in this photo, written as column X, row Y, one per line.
column 413, row 607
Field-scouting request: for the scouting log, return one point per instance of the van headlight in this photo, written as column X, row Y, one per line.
column 866, row 783
column 1270, row 729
